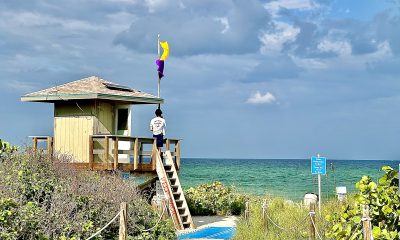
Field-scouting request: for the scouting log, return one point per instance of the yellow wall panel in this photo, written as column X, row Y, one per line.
column 72, row 136
column 105, row 114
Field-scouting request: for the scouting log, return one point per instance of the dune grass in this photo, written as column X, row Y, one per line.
column 285, row 220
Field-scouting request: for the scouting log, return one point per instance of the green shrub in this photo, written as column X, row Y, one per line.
column 214, row 199
column 384, row 204
column 6, row 148
column 44, row 198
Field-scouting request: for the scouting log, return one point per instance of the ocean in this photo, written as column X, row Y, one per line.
column 288, row 178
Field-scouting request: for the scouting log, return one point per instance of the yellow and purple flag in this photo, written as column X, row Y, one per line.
column 160, row 61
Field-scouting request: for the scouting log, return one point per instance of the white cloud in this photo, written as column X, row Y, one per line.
column 342, row 48
column 383, row 51
column 154, row 5
column 258, row 98
column 32, row 19
column 283, row 33
column 274, row 6
column 310, row 63
column 224, row 22
column 20, row 86
column 121, row 20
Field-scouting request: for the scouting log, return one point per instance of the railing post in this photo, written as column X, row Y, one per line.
column 312, row 220
column 168, row 145
column 154, row 152
column 106, row 149
column 91, row 155
column 140, row 150
column 366, row 223
column 123, row 221
column 264, row 214
column 34, row 144
column 50, row 146
column 116, row 153
column 178, row 154
column 247, row 212
column 135, row 154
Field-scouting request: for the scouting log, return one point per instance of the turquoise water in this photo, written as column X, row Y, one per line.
column 289, row 178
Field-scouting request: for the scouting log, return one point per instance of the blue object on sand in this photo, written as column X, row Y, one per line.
column 224, row 233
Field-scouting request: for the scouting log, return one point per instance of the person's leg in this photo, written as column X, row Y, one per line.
column 160, row 145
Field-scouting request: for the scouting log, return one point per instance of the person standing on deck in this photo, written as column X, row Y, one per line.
column 157, row 126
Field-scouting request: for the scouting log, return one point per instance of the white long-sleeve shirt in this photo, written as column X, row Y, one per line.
column 157, row 125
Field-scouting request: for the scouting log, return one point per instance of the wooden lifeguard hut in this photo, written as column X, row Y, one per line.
column 92, row 125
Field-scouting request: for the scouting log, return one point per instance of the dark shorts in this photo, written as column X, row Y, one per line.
column 160, row 140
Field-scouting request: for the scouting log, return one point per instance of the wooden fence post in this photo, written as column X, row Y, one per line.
column 123, row 221
column 264, row 214
column 312, row 220
column 247, row 212
column 366, row 223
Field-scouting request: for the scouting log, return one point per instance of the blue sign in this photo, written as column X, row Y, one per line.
column 318, row 165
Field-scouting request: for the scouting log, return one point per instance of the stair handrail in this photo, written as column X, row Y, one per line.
column 166, row 186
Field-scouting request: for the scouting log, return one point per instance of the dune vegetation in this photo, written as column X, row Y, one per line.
column 42, row 197
column 336, row 220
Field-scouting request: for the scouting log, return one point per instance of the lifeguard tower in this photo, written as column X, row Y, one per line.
column 92, row 125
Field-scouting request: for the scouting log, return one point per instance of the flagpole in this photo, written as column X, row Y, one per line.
column 158, row 47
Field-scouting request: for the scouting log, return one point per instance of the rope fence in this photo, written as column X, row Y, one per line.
column 314, row 233
column 313, row 224
column 123, row 223
column 105, row 226
column 161, row 216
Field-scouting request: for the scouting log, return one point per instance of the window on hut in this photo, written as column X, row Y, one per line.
column 122, row 119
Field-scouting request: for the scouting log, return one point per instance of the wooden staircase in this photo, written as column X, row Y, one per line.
column 173, row 192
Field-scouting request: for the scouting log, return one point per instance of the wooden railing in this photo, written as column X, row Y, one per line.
column 38, row 139
column 103, row 156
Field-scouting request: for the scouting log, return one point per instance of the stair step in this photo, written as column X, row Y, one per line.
column 181, row 208
column 167, row 167
column 172, row 181
column 182, row 211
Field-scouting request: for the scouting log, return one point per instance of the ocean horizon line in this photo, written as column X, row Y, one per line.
column 300, row 159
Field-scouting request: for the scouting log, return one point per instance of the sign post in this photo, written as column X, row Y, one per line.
column 318, row 166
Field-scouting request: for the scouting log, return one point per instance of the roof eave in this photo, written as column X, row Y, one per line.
column 65, row 97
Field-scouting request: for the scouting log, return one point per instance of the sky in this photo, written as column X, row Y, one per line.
column 245, row 78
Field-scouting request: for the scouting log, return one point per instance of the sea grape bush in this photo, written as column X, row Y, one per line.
column 6, row 148
column 384, row 204
column 214, row 199
column 44, row 198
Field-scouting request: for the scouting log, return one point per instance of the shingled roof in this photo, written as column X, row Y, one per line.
column 91, row 88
